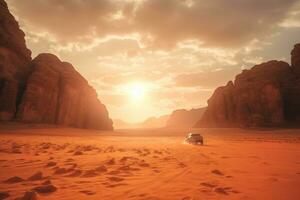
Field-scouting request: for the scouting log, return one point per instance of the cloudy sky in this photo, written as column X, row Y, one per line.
column 148, row 57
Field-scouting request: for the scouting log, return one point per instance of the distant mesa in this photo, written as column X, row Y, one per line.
column 156, row 122
column 184, row 118
column 45, row 89
column 177, row 119
column 152, row 122
column 268, row 95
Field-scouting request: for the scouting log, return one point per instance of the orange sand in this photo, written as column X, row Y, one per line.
column 150, row 164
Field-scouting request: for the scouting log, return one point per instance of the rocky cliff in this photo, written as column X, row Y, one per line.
column 184, row 118
column 14, row 59
column 45, row 89
column 266, row 95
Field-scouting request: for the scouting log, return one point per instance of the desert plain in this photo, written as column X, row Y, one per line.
column 48, row 162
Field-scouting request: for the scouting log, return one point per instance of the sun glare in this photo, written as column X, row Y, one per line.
column 136, row 91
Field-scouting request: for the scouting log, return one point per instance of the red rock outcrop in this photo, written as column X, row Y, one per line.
column 266, row 95
column 295, row 59
column 14, row 59
column 45, row 89
column 56, row 93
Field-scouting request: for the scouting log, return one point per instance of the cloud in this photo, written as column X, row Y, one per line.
column 210, row 79
column 184, row 48
column 159, row 23
column 293, row 17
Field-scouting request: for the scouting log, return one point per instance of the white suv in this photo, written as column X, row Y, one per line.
column 194, row 138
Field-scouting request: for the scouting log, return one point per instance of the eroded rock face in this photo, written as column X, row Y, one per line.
column 295, row 59
column 14, row 58
column 57, row 93
column 45, row 89
column 266, row 95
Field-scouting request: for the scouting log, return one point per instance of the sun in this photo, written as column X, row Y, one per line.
column 136, row 91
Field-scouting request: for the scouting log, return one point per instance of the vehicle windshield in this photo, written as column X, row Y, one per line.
column 194, row 135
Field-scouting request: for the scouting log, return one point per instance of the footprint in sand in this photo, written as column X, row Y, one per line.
column 217, row 172
column 156, row 171
column 168, row 158
column 158, row 152
column 77, row 153
column 51, row 164
column 225, row 157
column 45, row 145
column 14, row 179
column 90, row 173
column 181, row 164
column 47, row 182
column 128, row 168
column 101, row 168
column 83, row 182
column 114, row 172
column 109, row 149
column 71, row 151
column 110, row 161
column 69, row 160
column 222, row 190
column 4, row 195
column 127, row 158
column 209, row 185
column 16, row 151
column 71, row 165
column 50, row 158
column 215, row 188
column 99, row 150
column 141, row 195
column 121, row 150
column 138, row 151
column 36, row 177
column 144, row 164
column 115, row 179
column 75, row 173
column 225, row 190
column 87, row 192
column 115, row 185
column 30, row 195
column 44, row 189
column 60, row 170
column 87, row 148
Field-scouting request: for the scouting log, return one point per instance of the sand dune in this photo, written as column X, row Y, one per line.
column 59, row 163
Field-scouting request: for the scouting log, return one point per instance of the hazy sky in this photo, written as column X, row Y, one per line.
column 148, row 57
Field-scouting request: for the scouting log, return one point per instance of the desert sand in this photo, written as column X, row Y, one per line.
column 65, row 163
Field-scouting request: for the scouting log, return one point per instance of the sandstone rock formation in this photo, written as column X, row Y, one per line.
column 14, row 59
column 295, row 59
column 45, row 89
column 266, row 95
column 184, row 118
